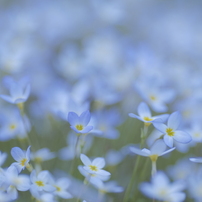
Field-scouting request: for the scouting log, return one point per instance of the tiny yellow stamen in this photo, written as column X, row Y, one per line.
column 147, row 119
column 170, row 132
column 79, row 127
column 39, row 183
column 58, row 188
column 154, row 157
column 12, row 126
column 23, row 161
column 93, row 168
column 152, row 97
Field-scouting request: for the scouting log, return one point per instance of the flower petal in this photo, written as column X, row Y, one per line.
column 17, row 153
column 73, row 118
column 168, row 140
column 196, row 160
column 85, row 118
column 7, row 98
column 158, row 147
column 103, row 172
column 44, row 176
column 85, row 160
column 139, row 151
column 182, row 137
column 99, row 162
column 161, row 127
column 174, row 120
column 167, row 151
column 143, row 110
column 135, row 116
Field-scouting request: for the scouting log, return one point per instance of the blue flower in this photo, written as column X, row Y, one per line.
column 79, row 123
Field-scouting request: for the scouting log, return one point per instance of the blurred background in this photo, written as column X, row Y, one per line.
column 105, row 56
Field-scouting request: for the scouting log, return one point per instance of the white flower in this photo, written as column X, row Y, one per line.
column 19, row 91
column 41, row 155
column 170, row 130
column 109, row 187
column 40, row 183
column 161, row 189
column 145, row 115
column 93, row 178
column 95, row 166
column 16, row 182
column 158, row 149
column 22, row 157
column 61, row 185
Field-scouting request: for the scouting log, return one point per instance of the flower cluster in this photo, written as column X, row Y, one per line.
column 100, row 101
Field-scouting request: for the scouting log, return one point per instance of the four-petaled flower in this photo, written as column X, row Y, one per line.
column 161, row 189
column 170, row 130
column 22, row 157
column 79, row 123
column 19, row 91
column 145, row 115
column 95, row 166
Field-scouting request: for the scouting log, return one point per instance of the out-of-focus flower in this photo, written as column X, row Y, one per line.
column 3, row 157
column 170, row 131
column 19, row 91
column 109, row 187
column 155, row 96
column 80, row 123
column 16, row 182
column 61, row 185
column 161, row 189
column 13, row 126
column 41, row 155
column 158, row 149
column 40, row 183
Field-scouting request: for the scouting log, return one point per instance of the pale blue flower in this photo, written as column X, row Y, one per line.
column 161, row 189
column 80, row 123
column 19, row 91
column 145, row 115
column 171, row 132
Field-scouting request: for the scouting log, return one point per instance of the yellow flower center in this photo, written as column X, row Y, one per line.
column 170, row 132
column 23, row 161
column 12, row 126
column 79, row 127
column 152, row 97
column 93, row 168
column 39, row 183
column 154, row 157
column 58, row 188
column 147, row 119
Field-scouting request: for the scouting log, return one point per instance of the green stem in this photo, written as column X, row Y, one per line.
column 128, row 190
column 85, row 185
column 75, row 155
